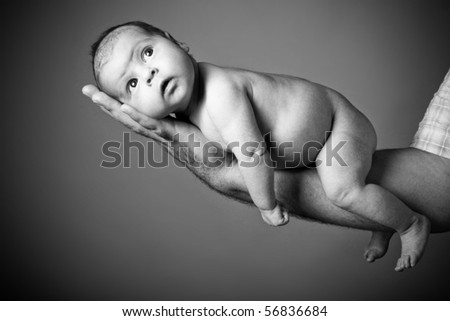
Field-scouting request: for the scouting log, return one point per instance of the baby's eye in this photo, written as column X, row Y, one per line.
column 148, row 52
column 132, row 83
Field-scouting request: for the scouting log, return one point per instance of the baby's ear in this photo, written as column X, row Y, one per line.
column 182, row 45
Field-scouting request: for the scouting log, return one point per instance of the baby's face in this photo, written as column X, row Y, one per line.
column 149, row 73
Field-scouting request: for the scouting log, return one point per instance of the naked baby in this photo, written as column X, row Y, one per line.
column 147, row 69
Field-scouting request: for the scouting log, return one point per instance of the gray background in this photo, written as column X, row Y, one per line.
column 75, row 231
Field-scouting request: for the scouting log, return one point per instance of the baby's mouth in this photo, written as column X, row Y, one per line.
column 164, row 85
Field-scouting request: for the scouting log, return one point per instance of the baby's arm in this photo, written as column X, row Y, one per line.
column 234, row 118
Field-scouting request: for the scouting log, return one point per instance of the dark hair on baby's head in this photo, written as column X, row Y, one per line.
column 103, row 44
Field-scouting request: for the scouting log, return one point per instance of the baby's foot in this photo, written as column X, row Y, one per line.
column 276, row 217
column 414, row 240
column 378, row 246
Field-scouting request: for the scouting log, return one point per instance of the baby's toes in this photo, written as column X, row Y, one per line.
column 370, row 256
column 400, row 265
column 404, row 262
column 266, row 219
column 413, row 260
column 407, row 262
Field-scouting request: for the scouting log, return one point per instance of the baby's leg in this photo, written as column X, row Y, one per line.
column 344, row 184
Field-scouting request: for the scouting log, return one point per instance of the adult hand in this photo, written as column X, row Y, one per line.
column 158, row 130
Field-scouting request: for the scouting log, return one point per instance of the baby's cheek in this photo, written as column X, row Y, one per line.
column 153, row 109
column 146, row 109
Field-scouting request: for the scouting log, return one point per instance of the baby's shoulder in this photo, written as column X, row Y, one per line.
column 220, row 79
column 222, row 87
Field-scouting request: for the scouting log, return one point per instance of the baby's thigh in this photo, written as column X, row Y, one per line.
column 346, row 156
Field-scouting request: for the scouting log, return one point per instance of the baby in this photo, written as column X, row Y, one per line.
column 146, row 68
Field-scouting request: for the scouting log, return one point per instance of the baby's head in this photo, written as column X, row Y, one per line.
column 144, row 67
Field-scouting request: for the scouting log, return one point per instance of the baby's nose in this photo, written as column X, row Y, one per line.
column 151, row 73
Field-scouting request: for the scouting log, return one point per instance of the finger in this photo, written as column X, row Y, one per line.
column 408, row 262
column 89, row 90
column 100, row 98
column 135, row 126
column 112, row 107
column 121, row 117
column 139, row 117
column 133, row 113
column 107, row 111
column 127, row 121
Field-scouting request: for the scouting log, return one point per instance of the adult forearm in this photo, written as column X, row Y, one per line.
column 299, row 190
column 420, row 179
